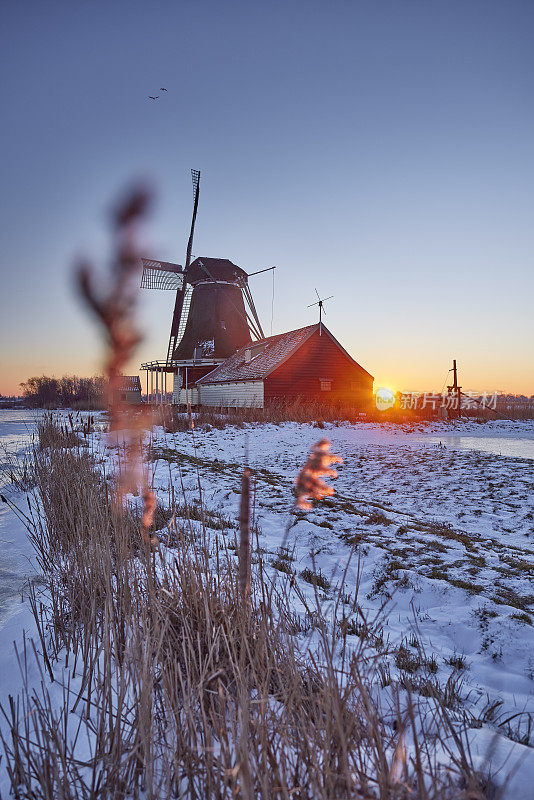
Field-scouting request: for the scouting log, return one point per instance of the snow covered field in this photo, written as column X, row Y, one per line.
column 441, row 533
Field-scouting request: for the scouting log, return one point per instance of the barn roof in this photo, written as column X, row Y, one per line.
column 266, row 355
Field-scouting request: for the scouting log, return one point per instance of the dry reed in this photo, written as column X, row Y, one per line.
column 244, row 536
column 309, row 484
column 168, row 686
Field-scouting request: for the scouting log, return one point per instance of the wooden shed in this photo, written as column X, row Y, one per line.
column 130, row 389
column 308, row 363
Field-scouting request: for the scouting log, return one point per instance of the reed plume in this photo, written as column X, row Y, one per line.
column 309, row 484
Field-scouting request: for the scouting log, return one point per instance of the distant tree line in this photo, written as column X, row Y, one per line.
column 70, row 391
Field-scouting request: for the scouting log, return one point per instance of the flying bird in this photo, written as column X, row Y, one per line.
column 153, row 98
column 162, row 89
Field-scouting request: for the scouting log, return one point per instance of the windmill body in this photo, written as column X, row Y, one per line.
column 214, row 315
column 216, row 324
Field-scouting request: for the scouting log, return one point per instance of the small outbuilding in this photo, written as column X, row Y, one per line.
column 130, row 389
column 308, row 363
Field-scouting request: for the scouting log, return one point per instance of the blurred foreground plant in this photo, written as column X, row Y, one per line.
column 115, row 309
column 309, row 484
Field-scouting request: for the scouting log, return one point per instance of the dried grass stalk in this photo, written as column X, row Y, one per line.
column 244, row 536
column 180, row 694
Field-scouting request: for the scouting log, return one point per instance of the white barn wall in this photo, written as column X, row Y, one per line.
column 188, row 397
column 239, row 393
column 183, row 396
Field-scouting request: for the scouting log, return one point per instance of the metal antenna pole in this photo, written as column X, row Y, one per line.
column 319, row 303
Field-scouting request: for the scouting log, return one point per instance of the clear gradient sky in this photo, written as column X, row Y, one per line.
column 381, row 151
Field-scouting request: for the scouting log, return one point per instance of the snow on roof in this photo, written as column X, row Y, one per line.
column 266, row 356
column 129, row 383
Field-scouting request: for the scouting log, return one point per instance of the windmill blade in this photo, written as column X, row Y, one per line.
column 175, row 325
column 195, row 176
column 317, row 293
column 252, row 327
column 161, row 275
column 180, row 294
column 314, row 304
column 250, row 301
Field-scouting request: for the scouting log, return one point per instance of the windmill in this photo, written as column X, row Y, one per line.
column 214, row 313
column 319, row 302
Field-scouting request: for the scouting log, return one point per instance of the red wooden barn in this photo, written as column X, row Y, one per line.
column 308, row 363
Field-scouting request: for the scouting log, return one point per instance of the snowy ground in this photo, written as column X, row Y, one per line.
column 443, row 533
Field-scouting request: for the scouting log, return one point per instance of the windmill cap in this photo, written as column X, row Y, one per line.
column 217, row 269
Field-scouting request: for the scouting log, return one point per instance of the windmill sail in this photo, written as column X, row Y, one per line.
column 161, row 275
column 180, row 293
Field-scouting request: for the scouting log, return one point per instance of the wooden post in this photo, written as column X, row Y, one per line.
column 458, row 392
column 455, row 390
column 244, row 536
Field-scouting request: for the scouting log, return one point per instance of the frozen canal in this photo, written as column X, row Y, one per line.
column 16, row 428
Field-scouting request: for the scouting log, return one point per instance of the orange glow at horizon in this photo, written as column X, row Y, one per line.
column 415, row 378
column 413, row 213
